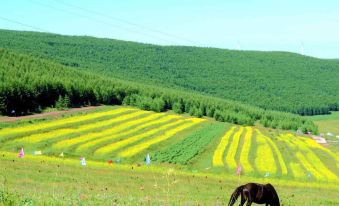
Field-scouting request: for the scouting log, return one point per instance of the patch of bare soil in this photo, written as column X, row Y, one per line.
column 48, row 114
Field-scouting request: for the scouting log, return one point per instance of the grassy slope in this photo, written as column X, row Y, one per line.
column 333, row 116
column 284, row 81
column 63, row 182
column 327, row 123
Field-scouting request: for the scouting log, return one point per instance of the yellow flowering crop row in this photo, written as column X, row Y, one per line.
column 311, row 161
column 320, row 166
column 34, row 138
column 43, row 136
column 264, row 156
column 60, row 122
column 278, row 153
column 117, row 145
column 113, row 130
column 230, row 156
column 313, row 144
column 148, row 123
column 288, row 141
column 295, row 167
column 297, row 171
column 316, row 162
column 246, row 150
column 131, row 151
column 219, row 151
column 309, row 167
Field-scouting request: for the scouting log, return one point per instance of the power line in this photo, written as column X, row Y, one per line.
column 100, row 21
column 127, row 22
column 23, row 24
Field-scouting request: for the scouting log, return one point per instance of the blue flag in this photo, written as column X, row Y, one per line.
column 148, row 160
column 83, row 161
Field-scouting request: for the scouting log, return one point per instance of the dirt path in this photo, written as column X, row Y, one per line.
column 48, row 114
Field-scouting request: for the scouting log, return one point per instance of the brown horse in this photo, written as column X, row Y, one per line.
column 257, row 193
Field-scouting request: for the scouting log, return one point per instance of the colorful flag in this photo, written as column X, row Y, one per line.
column 83, row 161
column 238, row 170
column 62, row 154
column 110, row 162
column 148, row 160
column 21, row 153
column 37, row 153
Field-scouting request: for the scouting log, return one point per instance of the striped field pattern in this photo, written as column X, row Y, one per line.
column 118, row 132
column 262, row 155
column 128, row 134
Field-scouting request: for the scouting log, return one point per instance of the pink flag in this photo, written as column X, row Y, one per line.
column 238, row 170
column 21, row 153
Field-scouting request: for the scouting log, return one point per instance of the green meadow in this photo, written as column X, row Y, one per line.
column 55, row 181
column 327, row 123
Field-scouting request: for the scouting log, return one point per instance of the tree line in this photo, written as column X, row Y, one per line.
column 29, row 84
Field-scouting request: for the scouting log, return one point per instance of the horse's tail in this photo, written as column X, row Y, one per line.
column 235, row 195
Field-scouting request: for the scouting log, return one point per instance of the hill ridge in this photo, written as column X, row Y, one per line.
column 271, row 80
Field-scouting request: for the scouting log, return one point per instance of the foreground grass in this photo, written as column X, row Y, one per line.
column 53, row 181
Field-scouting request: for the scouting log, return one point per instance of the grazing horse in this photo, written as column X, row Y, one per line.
column 257, row 193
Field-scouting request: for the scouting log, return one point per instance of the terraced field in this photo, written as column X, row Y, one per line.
column 126, row 135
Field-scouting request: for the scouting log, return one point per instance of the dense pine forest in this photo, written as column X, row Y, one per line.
column 29, row 84
column 270, row 80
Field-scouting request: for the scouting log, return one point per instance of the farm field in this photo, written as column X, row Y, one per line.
column 125, row 135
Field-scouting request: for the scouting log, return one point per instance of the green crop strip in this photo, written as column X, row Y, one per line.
column 183, row 152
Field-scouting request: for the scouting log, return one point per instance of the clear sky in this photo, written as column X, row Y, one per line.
column 269, row 25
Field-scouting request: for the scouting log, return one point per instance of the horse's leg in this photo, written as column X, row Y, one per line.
column 242, row 201
column 249, row 200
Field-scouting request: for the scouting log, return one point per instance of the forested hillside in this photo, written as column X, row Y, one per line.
column 271, row 80
column 29, row 84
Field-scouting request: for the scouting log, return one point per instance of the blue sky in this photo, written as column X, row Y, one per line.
column 276, row 25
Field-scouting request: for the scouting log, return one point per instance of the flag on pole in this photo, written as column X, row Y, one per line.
column 83, row 161
column 37, row 153
column 238, row 172
column 110, row 162
column 62, row 154
column 21, row 153
column 148, row 160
